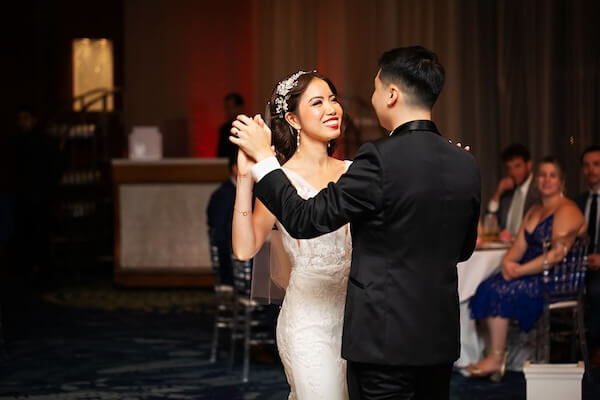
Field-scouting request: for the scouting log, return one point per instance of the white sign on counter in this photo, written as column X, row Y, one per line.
column 145, row 143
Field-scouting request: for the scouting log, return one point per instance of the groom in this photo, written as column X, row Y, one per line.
column 413, row 203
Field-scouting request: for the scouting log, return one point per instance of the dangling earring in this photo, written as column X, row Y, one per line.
column 298, row 141
column 328, row 144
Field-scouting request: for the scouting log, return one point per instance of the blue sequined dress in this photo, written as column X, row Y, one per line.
column 520, row 299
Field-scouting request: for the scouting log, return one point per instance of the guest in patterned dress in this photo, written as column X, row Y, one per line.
column 516, row 293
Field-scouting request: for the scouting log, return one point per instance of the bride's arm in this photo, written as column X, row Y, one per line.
column 250, row 229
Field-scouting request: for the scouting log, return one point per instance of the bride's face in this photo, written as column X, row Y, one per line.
column 319, row 114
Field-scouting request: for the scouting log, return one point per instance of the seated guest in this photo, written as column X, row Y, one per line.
column 517, row 291
column 514, row 194
column 219, row 213
column 588, row 203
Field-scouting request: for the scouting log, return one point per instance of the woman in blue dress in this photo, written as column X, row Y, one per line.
column 516, row 293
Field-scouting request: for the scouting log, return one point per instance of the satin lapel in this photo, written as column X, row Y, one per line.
column 418, row 125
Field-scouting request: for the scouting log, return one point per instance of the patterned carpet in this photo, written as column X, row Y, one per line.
column 104, row 296
column 98, row 342
column 95, row 341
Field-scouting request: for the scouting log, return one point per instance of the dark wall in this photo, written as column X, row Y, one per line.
column 38, row 43
column 36, row 39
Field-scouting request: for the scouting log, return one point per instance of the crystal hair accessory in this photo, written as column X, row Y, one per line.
column 283, row 90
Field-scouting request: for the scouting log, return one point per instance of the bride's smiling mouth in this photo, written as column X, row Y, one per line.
column 332, row 123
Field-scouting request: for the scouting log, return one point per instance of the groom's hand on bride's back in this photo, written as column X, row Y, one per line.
column 460, row 146
column 252, row 136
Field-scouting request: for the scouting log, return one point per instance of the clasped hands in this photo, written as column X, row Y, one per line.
column 253, row 137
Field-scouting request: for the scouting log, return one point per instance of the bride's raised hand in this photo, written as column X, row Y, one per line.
column 252, row 136
column 244, row 164
column 258, row 119
column 263, row 124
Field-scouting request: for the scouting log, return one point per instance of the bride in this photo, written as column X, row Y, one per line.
column 305, row 117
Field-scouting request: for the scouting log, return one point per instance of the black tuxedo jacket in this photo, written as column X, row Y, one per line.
column 532, row 198
column 413, row 202
column 581, row 201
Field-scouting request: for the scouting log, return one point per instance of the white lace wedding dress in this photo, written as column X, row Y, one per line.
column 309, row 328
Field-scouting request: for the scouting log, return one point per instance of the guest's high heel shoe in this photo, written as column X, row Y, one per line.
column 494, row 376
column 497, row 376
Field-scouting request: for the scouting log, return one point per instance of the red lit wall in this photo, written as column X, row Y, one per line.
column 181, row 58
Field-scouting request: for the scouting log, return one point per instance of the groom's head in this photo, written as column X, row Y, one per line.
column 408, row 83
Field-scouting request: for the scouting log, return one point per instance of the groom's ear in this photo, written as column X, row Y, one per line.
column 292, row 120
column 394, row 95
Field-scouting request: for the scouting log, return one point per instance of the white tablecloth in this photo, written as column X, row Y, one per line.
column 471, row 273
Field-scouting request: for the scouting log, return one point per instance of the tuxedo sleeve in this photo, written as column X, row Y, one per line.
column 357, row 193
column 471, row 236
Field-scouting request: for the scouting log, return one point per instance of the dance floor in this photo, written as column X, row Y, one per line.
column 93, row 341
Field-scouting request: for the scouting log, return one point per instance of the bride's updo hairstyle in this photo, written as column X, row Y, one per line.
column 284, row 99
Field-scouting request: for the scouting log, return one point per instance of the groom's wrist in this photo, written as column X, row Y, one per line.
column 264, row 166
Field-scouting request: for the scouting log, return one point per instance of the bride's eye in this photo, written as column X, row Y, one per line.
column 333, row 98
column 316, row 103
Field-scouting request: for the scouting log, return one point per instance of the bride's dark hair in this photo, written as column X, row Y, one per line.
column 283, row 134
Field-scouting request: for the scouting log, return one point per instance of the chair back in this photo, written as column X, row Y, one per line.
column 214, row 258
column 566, row 279
column 242, row 277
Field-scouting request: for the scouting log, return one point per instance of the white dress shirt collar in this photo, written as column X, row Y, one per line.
column 524, row 188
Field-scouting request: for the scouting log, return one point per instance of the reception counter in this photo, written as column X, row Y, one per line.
column 160, row 220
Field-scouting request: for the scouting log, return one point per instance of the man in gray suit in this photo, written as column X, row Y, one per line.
column 515, row 194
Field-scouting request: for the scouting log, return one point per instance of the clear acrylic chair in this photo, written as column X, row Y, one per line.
column 251, row 322
column 564, row 286
column 223, row 300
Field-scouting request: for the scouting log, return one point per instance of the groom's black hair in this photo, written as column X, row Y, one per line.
column 416, row 70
